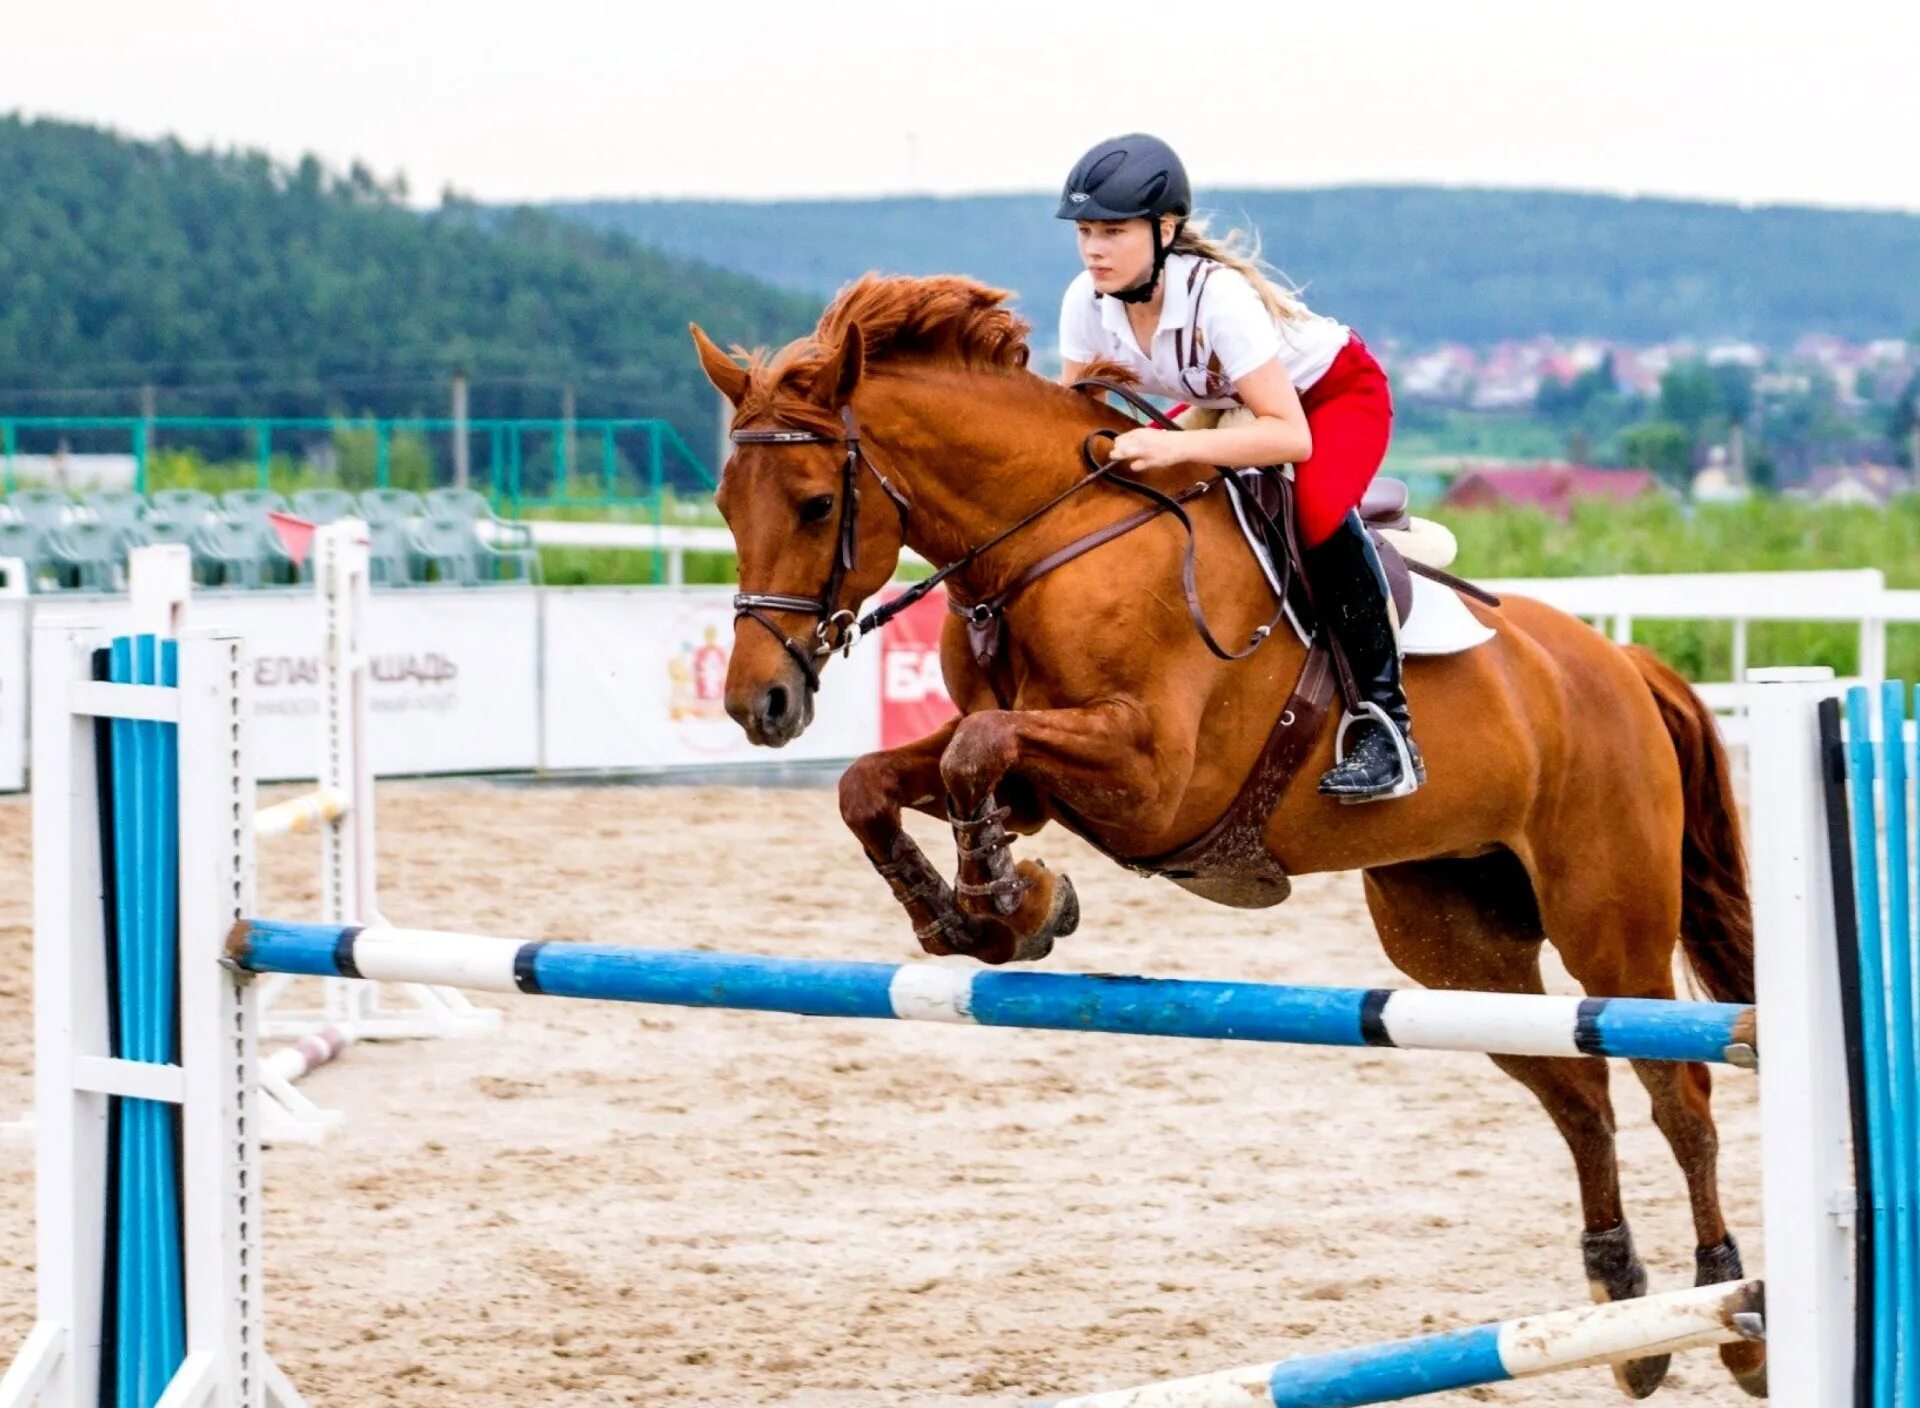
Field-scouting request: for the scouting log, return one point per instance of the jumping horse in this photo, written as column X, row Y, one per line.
column 1578, row 795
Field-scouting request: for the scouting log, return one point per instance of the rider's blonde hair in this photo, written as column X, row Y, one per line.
column 1239, row 250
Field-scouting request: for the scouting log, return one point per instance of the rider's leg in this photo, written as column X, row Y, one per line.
column 1350, row 590
column 1350, row 411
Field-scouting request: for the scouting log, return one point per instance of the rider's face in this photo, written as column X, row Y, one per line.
column 1118, row 253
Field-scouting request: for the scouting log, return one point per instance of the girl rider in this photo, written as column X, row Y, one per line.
column 1196, row 320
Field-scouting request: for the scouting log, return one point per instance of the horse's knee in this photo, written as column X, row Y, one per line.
column 982, row 749
column 866, row 796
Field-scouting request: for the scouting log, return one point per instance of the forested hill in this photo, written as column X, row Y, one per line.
column 1420, row 263
column 238, row 286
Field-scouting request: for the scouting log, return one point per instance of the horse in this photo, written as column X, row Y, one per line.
column 1579, row 794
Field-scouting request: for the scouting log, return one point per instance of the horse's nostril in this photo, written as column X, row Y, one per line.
column 776, row 706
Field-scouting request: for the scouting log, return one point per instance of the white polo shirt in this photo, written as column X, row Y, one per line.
column 1236, row 335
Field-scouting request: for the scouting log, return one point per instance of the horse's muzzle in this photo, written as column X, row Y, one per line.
column 775, row 713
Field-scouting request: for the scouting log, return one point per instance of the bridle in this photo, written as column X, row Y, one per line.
column 837, row 628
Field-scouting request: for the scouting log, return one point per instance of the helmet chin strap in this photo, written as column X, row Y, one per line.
column 1143, row 291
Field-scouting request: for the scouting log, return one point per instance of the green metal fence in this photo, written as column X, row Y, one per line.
column 519, row 464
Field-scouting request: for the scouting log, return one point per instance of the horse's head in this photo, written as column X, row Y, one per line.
column 812, row 542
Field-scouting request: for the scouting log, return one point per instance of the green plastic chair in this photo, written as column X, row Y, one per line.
column 119, row 506
column 449, row 549
column 158, row 529
column 391, row 560
column 325, row 505
column 92, row 557
column 43, row 508
column 28, row 542
column 235, row 553
column 454, row 555
column 252, row 505
column 183, row 505
column 390, row 505
column 471, row 504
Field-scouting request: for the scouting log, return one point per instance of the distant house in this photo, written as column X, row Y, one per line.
column 1869, row 484
column 1552, row 488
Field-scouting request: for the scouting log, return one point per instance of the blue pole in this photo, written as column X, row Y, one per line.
column 1218, row 1011
column 1882, row 1119
column 1905, row 1083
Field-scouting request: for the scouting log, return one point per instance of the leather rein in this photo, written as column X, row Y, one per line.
column 837, row 628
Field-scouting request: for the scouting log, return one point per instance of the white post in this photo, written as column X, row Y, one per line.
column 159, row 584
column 1808, row 1180
column 61, row 1365
column 341, row 575
column 220, row 1170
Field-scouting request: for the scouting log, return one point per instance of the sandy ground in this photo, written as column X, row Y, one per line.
column 612, row 1205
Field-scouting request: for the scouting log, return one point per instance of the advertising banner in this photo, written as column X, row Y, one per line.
column 636, row 678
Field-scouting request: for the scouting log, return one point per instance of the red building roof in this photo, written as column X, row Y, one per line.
column 1552, row 488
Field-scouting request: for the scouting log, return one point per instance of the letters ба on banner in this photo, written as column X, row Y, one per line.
column 913, row 694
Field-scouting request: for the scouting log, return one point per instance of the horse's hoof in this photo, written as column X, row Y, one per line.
column 1063, row 917
column 1750, row 1375
column 1638, row 1378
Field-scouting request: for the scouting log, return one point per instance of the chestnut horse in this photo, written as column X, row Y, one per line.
column 1579, row 793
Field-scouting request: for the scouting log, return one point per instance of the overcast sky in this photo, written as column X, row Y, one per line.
column 1720, row 99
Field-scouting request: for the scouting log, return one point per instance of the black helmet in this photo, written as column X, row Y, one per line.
column 1129, row 178
column 1126, row 178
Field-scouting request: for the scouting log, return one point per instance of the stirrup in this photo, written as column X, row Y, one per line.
column 1409, row 782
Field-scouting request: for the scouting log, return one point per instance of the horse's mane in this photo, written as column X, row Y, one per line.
column 946, row 320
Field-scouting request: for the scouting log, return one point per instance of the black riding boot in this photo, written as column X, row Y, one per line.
column 1351, row 593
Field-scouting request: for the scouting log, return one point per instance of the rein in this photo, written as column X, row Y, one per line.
column 837, row 628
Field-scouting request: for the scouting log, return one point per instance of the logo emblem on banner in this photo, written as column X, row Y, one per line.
column 697, row 679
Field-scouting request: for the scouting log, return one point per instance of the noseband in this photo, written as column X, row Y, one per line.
column 835, row 627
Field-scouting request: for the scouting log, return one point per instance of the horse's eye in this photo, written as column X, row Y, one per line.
column 816, row 508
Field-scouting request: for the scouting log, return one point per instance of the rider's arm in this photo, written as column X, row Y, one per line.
column 1277, row 435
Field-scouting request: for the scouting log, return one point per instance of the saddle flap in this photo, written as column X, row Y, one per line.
column 1399, row 576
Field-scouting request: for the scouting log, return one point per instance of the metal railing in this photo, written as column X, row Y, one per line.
column 630, row 462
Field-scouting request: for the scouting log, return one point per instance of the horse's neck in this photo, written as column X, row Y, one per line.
column 974, row 463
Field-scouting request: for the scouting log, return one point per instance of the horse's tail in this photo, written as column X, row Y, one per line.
column 1716, row 911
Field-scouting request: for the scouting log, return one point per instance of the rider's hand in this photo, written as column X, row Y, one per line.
column 1149, row 449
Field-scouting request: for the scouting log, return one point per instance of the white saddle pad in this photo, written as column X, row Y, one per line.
column 1439, row 623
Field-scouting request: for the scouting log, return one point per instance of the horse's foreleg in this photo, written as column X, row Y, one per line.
column 1097, row 759
column 874, row 791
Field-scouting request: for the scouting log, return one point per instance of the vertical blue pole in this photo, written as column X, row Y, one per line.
column 263, row 443
column 1905, row 1053
column 139, row 460
column 7, row 445
column 149, row 1281
column 497, row 468
column 1882, row 1152
column 609, row 478
column 382, row 453
column 563, row 451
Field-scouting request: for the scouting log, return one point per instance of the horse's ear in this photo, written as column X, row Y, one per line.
column 833, row 384
column 727, row 375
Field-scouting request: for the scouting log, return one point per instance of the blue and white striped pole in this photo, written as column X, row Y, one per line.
column 1495, row 1023
column 1536, row 1344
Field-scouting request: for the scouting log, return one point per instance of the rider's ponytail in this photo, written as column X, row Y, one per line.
column 1240, row 252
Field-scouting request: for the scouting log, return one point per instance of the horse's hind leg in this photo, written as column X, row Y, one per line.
column 1619, row 942
column 1473, row 925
